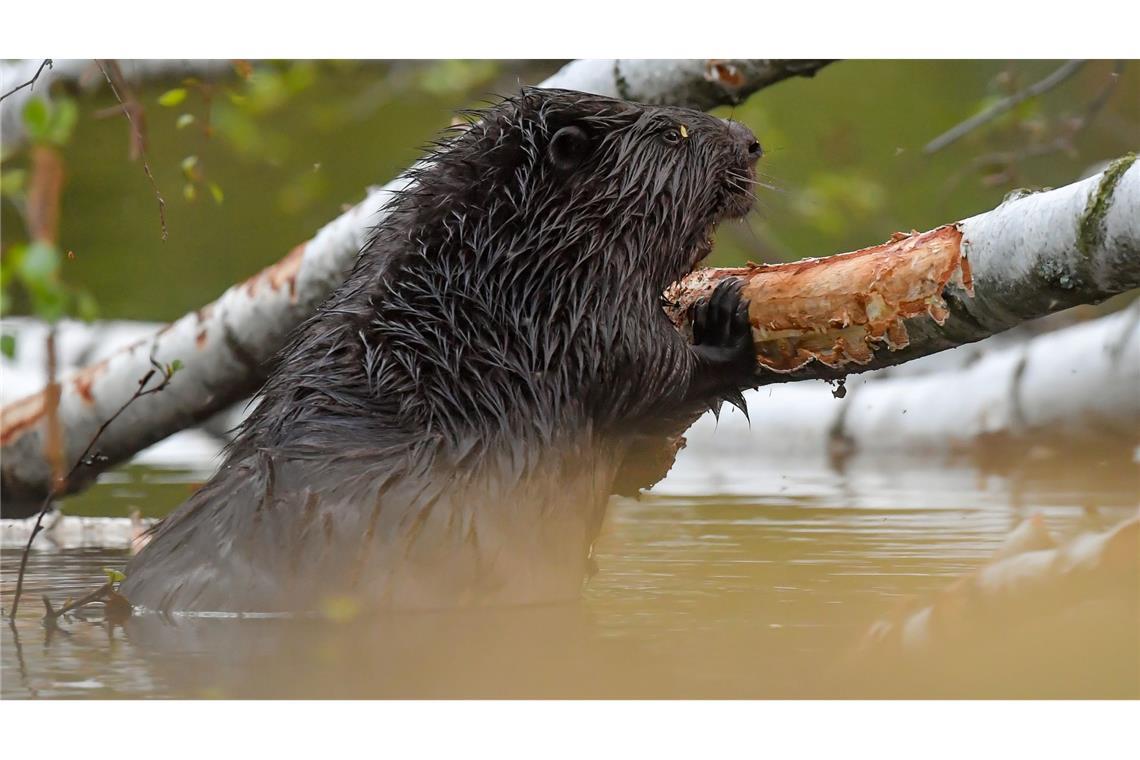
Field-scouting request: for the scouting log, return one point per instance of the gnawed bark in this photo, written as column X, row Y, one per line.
column 836, row 311
column 224, row 345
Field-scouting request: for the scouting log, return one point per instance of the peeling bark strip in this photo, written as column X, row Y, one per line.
column 837, row 310
column 224, row 346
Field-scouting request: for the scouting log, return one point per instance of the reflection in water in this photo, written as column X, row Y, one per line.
column 732, row 596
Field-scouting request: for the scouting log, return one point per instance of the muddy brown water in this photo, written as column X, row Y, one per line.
column 761, row 591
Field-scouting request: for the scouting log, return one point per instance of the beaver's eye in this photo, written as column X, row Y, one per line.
column 672, row 136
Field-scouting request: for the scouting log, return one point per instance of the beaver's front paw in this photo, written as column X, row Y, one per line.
column 722, row 341
column 722, row 334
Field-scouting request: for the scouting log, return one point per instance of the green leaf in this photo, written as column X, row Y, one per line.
column 266, row 90
column 11, row 263
column 49, row 300
column 12, row 182
column 176, row 365
column 454, row 76
column 38, row 270
column 113, row 575
column 184, row 120
column 40, row 263
column 190, row 169
column 86, row 307
column 216, row 191
column 64, row 114
column 171, row 98
column 8, row 345
column 300, row 75
column 36, row 117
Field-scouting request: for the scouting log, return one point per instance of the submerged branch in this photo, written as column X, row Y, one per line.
column 1030, row 577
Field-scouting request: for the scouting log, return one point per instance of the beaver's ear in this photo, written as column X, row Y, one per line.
column 569, row 147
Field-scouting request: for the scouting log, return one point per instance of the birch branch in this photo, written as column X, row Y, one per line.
column 695, row 83
column 918, row 294
column 224, row 345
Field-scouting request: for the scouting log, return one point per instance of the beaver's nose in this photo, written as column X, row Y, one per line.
column 747, row 141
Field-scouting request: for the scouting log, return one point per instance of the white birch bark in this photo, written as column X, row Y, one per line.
column 696, row 83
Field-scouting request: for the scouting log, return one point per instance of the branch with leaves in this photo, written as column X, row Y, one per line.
column 80, row 71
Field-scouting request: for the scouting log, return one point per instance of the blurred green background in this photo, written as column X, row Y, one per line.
column 256, row 161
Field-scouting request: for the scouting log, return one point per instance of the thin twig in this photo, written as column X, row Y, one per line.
column 1005, row 104
column 61, row 485
column 136, row 132
column 1061, row 142
column 31, row 82
column 1102, row 97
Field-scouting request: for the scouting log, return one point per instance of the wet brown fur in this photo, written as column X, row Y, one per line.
column 447, row 428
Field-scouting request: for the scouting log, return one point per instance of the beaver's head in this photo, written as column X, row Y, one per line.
column 581, row 181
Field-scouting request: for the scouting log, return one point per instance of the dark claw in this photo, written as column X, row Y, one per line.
column 736, row 398
column 700, row 320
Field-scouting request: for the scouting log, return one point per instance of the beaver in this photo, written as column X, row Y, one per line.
column 447, row 427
